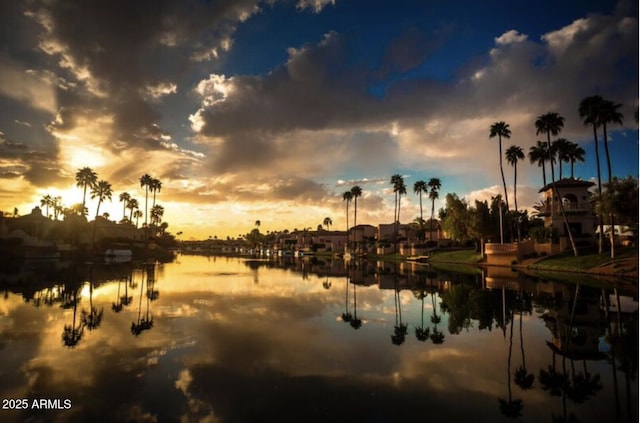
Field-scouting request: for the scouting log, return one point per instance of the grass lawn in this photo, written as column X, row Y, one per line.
column 458, row 256
column 566, row 261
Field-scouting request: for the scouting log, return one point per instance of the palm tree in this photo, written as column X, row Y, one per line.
column 434, row 184
column 258, row 224
column 609, row 113
column 538, row 154
column 327, row 222
column 347, row 196
column 589, row 111
column 575, row 154
column 399, row 188
column 132, row 205
column 46, row 201
column 86, row 178
column 501, row 129
column 137, row 214
column 57, row 207
column 146, row 181
column 418, row 188
column 513, row 155
column 157, row 212
column 124, row 199
column 552, row 123
column 154, row 187
column 356, row 192
column 561, row 148
column 102, row 190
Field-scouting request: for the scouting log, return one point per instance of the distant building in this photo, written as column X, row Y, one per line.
column 574, row 196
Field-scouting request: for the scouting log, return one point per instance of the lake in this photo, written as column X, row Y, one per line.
column 223, row 339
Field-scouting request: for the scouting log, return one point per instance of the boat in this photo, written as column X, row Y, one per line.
column 117, row 255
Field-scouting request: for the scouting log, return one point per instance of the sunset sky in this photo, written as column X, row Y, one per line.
column 248, row 110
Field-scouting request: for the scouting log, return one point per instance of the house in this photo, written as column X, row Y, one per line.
column 573, row 196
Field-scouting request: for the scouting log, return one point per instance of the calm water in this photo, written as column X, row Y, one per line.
column 237, row 340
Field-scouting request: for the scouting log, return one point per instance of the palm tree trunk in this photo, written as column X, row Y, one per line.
column 433, row 204
column 515, row 197
column 600, row 219
column 504, row 184
column 556, row 195
column 606, row 150
column 544, row 174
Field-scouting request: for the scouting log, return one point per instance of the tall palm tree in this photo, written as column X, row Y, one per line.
column 356, row 192
column 513, row 155
column 124, row 199
column 146, row 181
column 609, row 114
column 45, row 202
column 434, row 186
column 418, row 188
column 347, row 196
column 85, row 178
column 102, row 191
column 137, row 214
column 327, row 222
column 561, row 148
column 575, row 154
column 501, row 129
column 589, row 111
column 132, row 205
column 258, row 224
column 399, row 188
column 552, row 123
column 154, row 187
column 538, row 154
column 157, row 212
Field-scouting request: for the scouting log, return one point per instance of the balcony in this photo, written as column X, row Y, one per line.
column 569, row 208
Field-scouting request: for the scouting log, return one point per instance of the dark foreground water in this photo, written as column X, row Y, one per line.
column 236, row 340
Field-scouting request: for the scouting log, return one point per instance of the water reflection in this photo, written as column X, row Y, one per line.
column 245, row 340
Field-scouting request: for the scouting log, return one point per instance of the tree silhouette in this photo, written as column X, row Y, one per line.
column 346, row 316
column 399, row 329
column 513, row 155
column 552, row 123
column 422, row 333
column 146, row 181
column 434, row 187
column 420, row 187
column 539, row 154
column 124, row 198
column 500, row 130
column 85, row 178
column 510, row 407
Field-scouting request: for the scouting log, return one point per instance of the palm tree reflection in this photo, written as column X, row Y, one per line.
column 510, row 407
column 400, row 329
column 346, row 316
column 422, row 333
column 355, row 322
column 522, row 377
column 93, row 317
column 143, row 322
column 72, row 334
column 437, row 337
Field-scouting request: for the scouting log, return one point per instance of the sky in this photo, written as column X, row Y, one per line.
column 248, row 110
